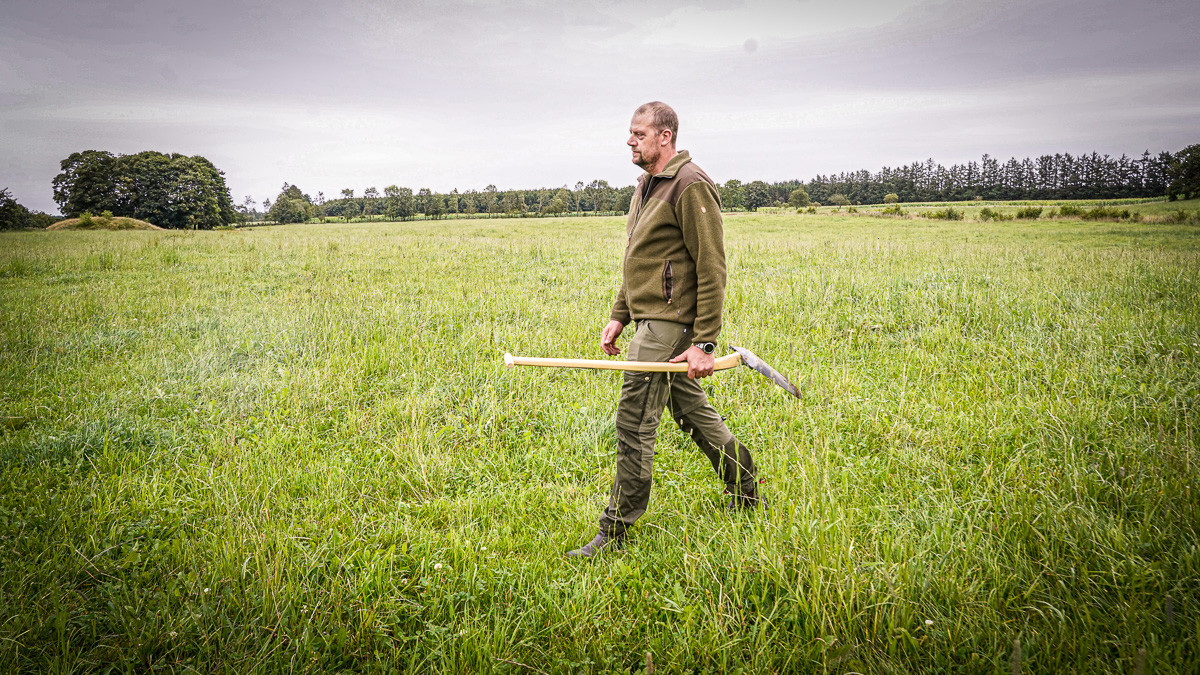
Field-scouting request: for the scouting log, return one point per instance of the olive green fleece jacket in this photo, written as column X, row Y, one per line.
column 674, row 266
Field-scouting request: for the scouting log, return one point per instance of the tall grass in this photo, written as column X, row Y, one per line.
column 297, row 449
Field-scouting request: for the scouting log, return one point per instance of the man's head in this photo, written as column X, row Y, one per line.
column 652, row 135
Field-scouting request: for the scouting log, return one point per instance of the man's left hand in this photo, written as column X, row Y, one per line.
column 699, row 364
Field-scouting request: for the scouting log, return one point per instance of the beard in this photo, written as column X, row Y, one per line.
column 644, row 159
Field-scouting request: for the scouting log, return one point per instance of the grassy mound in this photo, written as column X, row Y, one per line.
column 102, row 223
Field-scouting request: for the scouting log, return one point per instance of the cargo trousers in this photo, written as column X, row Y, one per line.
column 644, row 396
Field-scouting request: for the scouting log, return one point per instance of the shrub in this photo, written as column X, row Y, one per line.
column 891, row 198
column 106, row 220
column 839, row 199
column 949, row 213
column 851, row 210
column 799, row 198
column 988, row 213
column 1029, row 213
column 1181, row 216
column 893, row 210
column 1070, row 211
column 1103, row 213
column 811, row 209
column 85, row 219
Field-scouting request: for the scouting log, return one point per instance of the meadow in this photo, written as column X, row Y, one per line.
column 297, row 448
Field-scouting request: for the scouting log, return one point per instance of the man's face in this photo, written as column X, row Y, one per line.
column 646, row 141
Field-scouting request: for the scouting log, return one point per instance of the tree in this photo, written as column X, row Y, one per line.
column 1184, row 172
column 172, row 191
column 247, row 208
column 598, row 192
column 511, row 203
column 13, row 216
column 430, row 204
column 370, row 199
column 320, row 206
column 839, row 199
column 757, row 194
column 732, row 196
column 289, row 211
column 291, row 206
column 489, row 201
column 398, row 204
column 891, row 198
column 799, row 198
column 292, row 192
column 556, row 205
column 88, row 182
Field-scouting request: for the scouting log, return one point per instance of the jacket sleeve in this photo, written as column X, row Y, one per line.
column 698, row 212
column 620, row 310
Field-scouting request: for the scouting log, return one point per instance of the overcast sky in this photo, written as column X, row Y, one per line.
column 461, row 94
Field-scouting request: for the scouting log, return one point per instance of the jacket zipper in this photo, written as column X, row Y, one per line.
column 645, row 196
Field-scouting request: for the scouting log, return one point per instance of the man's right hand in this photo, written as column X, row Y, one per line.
column 608, row 337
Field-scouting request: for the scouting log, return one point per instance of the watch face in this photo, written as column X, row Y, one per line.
column 707, row 347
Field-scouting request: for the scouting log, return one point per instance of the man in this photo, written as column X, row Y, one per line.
column 674, row 288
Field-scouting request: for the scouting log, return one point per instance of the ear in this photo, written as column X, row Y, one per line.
column 668, row 138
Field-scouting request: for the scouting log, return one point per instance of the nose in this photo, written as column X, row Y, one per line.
column 632, row 142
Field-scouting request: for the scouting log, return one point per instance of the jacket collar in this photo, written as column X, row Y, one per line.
column 682, row 157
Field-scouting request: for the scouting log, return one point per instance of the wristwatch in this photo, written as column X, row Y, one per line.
column 707, row 347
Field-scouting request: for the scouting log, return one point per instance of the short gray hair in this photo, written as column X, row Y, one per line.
column 662, row 116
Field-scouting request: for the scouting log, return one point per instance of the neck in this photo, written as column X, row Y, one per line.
column 668, row 153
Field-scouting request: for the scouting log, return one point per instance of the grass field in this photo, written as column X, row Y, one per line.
column 297, row 449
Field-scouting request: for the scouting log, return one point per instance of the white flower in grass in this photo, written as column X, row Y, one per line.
column 207, row 590
column 437, row 566
column 928, row 622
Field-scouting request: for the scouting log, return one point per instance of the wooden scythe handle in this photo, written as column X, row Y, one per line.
column 723, row 363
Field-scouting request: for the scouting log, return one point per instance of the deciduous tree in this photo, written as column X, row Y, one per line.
column 13, row 216
column 399, row 202
column 173, row 191
column 291, row 206
column 799, row 198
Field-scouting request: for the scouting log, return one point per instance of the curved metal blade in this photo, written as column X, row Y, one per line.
column 775, row 376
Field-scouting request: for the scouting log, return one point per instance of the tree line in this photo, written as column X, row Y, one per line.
column 293, row 205
column 177, row 191
column 1059, row 176
column 1049, row 177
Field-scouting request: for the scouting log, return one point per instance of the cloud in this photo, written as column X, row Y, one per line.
column 445, row 94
